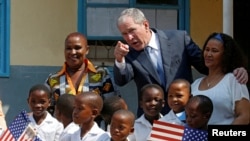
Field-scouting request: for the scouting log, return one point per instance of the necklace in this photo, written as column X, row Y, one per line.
column 208, row 84
column 214, row 80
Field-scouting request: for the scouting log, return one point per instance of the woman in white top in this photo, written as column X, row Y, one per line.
column 230, row 99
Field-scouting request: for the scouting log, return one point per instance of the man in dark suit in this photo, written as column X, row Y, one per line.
column 172, row 51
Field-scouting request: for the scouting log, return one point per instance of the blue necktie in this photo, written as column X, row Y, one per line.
column 161, row 73
column 154, row 58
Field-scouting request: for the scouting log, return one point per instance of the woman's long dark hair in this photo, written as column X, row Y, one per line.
column 233, row 56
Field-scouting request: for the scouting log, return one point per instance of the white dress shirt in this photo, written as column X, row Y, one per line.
column 94, row 134
column 142, row 129
column 171, row 117
column 68, row 130
column 49, row 130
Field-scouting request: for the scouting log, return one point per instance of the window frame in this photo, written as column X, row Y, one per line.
column 5, row 38
column 182, row 7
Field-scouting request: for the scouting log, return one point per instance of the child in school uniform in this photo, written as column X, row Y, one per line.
column 63, row 113
column 179, row 93
column 110, row 106
column 47, row 127
column 198, row 112
column 87, row 107
column 122, row 125
column 152, row 101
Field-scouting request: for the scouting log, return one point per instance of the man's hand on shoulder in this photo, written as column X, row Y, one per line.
column 241, row 75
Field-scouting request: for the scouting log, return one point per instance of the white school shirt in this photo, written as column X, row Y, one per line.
column 49, row 130
column 171, row 117
column 142, row 129
column 68, row 130
column 223, row 95
column 94, row 134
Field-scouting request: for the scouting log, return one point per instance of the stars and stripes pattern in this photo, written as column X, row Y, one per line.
column 191, row 134
column 19, row 130
column 163, row 131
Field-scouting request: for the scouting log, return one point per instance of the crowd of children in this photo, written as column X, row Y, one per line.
column 74, row 116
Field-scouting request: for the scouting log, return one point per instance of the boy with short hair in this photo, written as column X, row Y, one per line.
column 122, row 125
column 198, row 112
column 63, row 113
column 179, row 93
column 110, row 106
column 152, row 101
column 87, row 107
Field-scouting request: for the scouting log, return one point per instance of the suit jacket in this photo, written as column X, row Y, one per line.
column 178, row 53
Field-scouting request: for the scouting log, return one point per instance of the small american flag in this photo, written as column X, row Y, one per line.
column 20, row 130
column 163, row 131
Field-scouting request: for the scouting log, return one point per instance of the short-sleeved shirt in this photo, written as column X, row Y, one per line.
column 142, row 129
column 68, row 130
column 171, row 117
column 94, row 134
column 49, row 130
column 223, row 95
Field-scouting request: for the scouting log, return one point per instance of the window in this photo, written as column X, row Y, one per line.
column 4, row 38
column 97, row 19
